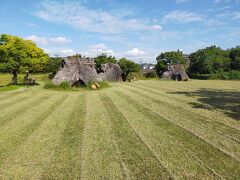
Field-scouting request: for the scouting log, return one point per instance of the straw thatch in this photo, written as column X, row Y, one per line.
column 176, row 72
column 111, row 72
column 83, row 70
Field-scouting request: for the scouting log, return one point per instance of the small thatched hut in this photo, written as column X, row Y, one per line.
column 82, row 70
column 176, row 72
column 111, row 72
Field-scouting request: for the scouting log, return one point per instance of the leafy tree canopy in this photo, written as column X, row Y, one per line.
column 234, row 54
column 53, row 66
column 103, row 59
column 129, row 66
column 209, row 60
column 169, row 58
column 17, row 53
column 75, row 56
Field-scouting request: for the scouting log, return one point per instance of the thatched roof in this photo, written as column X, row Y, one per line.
column 83, row 70
column 176, row 72
column 111, row 72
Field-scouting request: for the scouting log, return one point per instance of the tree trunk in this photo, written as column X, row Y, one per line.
column 14, row 78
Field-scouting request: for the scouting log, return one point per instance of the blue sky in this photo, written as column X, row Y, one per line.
column 136, row 29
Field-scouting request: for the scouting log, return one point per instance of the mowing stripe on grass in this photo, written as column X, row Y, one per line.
column 183, row 109
column 66, row 161
column 14, row 101
column 101, row 156
column 174, row 155
column 138, row 158
column 197, row 84
column 12, row 139
column 34, row 155
column 10, row 95
column 222, row 136
column 16, row 110
column 220, row 162
column 211, row 115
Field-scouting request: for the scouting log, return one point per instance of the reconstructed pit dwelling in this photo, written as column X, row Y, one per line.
column 79, row 71
column 176, row 72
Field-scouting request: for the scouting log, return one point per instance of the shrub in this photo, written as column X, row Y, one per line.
column 138, row 75
column 151, row 75
column 200, row 76
column 103, row 85
column 230, row 75
column 64, row 85
column 50, row 85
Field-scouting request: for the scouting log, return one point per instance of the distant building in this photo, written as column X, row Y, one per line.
column 148, row 69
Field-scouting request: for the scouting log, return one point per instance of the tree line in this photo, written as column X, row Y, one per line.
column 208, row 62
column 18, row 55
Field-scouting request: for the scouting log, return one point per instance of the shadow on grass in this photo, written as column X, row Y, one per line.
column 11, row 87
column 227, row 101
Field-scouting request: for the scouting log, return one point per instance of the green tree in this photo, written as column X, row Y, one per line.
column 75, row 56
column 209, row 60
column 234, row 54
column 53, row 66
column 103, row 59
column 169, row 58
column 129, row 66
column 17, row 53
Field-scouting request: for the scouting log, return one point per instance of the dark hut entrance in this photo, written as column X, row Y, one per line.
column 79, row 83
column 177, row 77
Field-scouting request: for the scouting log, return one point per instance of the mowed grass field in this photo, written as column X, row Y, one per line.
column 141, row 130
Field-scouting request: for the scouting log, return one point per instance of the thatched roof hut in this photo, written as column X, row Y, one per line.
column 176, row 72
column 83, row 70
column 111, row 72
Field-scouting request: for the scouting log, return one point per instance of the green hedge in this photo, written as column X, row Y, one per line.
column 230, row 75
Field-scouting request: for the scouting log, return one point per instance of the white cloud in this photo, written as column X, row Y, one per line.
column 181, row 1
column 101, row 48
column 67, row 52
column 49, row 40
column 226, row 1
column 38, row 40
column 182, row 17
column 60, row 40
column 60, row 52
column 135, row 52
column 157, row 27
column 229, row 15
column 79, row 16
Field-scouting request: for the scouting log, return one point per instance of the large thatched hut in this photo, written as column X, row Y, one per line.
column 176, row 72
column 83, row 70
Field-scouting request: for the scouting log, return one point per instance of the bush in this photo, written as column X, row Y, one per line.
column 50, row 85
column 230, row 75
column 64, row 85
column 200, row 76
column 138, row 75
column 151, row 75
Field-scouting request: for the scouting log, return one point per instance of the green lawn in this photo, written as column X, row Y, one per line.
column 141, row 130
